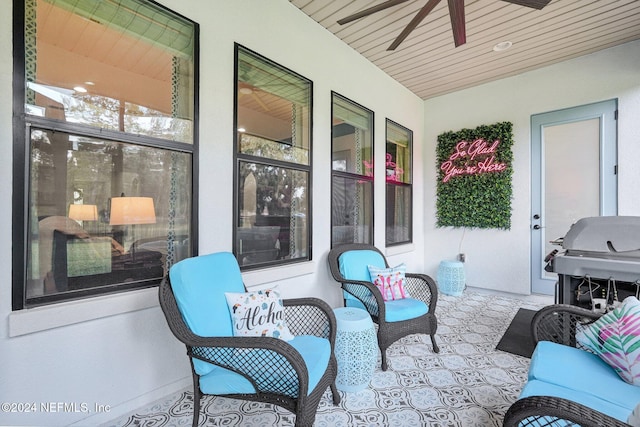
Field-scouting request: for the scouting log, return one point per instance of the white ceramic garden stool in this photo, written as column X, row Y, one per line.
column 451, row 278
column 356, row 348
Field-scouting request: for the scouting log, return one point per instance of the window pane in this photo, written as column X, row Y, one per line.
column 262, row 147
column 398, row 214
column 398, row 190
column 103, row 214
column 352, row 137
column 352, row 213
column 274, row 110
column 125, row 65
column 398, row 153
column 273, row 145
column 274, row 208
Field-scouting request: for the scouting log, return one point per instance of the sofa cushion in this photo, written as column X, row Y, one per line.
column 315, row 352
column 580, row 370
column 543, row 388
column 615, row 337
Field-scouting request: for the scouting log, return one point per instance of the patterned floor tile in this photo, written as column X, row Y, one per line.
column 467, row 384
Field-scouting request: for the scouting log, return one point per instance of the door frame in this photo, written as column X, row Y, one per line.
column 607, row 112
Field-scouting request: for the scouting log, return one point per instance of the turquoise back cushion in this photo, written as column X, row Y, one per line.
column 355, row 264
column 199, row 284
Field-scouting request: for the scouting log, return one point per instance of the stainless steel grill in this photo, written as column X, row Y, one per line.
column 601, row 255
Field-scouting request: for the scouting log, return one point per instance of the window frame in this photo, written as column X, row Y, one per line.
column 239, row 158
column 23, row 123
column 393, row 184
column 336, row 174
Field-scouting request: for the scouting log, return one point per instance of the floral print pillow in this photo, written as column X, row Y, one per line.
column 615, row 337
column 258, row 314
column 390, row 281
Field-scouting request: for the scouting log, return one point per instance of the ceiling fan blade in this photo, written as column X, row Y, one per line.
column 382, row 6
column 456, row 13
column 414, row 23
column 259, row 101
column 535, row 4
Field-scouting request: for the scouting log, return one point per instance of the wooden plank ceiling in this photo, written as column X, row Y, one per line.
column 428, row 63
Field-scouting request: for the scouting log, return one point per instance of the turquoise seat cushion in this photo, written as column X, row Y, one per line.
column 404, row 309
column 543, row 388
column 355, row 265
column 582, row 371
column 396, row 310
column 220, row 381
column 199, row 284
column 315, row 352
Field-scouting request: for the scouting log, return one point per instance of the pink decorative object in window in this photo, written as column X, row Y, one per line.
column 393, row 171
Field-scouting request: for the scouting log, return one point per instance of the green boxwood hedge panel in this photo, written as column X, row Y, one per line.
column 474, row 177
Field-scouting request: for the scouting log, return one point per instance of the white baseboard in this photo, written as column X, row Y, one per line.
column 103, row 418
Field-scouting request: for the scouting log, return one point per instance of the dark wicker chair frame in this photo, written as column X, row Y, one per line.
column 257, row 357
column 419, row 286
column 558, row 323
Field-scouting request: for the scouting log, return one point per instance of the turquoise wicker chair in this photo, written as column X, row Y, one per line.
column 396, row 319
column 292, row 374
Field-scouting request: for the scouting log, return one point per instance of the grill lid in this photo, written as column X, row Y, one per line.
column 610, row 234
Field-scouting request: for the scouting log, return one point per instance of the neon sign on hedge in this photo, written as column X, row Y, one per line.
column 472, row 158
column 474, row 177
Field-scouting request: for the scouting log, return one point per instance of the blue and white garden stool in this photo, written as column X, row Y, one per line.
column 451, row 278
column 356, row 348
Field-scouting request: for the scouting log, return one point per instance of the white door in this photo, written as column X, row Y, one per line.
column 574, row 171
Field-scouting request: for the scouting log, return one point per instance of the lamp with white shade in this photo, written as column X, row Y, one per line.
column 83, row 212
column 132, row 211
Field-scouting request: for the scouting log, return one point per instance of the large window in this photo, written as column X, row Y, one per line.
column 352, row 172
column 103, row 148
column 273, row 163
column 398, row 178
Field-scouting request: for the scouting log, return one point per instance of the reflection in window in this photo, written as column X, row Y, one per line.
column 352, row 173
column 102, row 213
column 398, row 188
column 273, row 149
column 108, row 94
column 125, row 65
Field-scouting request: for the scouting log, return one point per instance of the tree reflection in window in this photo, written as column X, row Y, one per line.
column 273, row 150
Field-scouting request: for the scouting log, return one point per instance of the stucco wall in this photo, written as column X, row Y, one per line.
column 501, row 259
column 117, row 351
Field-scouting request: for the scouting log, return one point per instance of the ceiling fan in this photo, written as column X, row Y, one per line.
column 247, row 89
column 456, row 13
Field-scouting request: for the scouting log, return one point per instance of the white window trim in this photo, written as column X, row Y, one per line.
column 399, row 249
column 274, row 274
column 38, row 319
